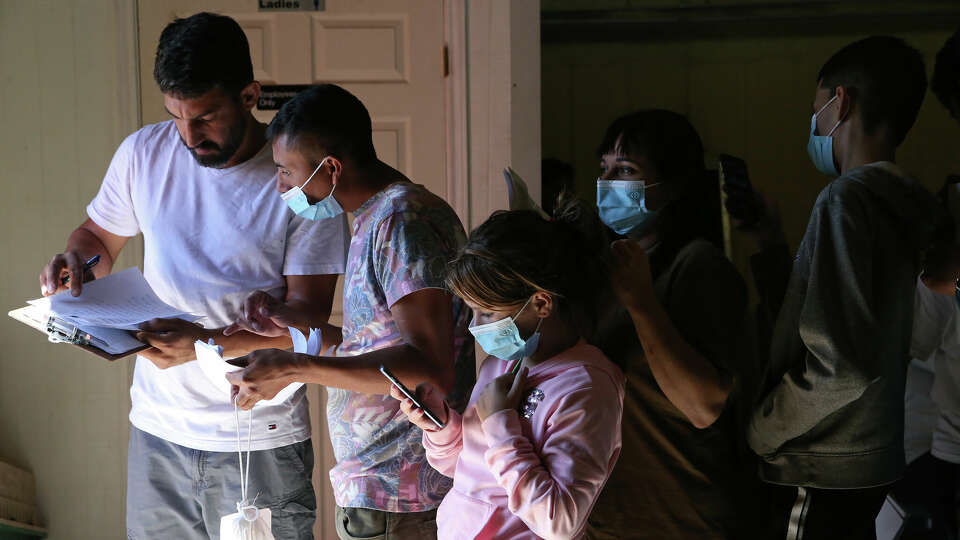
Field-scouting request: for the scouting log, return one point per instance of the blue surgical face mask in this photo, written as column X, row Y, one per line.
column 622, row 206
column 502, row 338
column 296, row 199
column 820, row 147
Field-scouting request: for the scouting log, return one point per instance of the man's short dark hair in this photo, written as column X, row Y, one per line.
column 946, row 73
column 200, row 53
column 330, row 117
column 887, row 81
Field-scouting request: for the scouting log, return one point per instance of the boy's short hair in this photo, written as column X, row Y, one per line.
column 887, row 80
column 946, row 73
column 202, row 52
column 330, row 117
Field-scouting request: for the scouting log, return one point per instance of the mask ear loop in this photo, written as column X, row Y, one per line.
column 334, row 188
column 835, row 126
column 314, row 172
column 539, row 322
column 516, row 366
column 825, row 105
column 523, row 308
column 539, row 319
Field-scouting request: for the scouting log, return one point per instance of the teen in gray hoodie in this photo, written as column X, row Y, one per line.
column 828, row 425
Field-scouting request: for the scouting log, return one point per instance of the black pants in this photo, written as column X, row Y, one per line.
column 927, row 493
column 798, row 513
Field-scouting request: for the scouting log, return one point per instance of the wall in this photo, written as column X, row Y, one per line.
column 747, row 96
column 68, row 96
column 503, row 106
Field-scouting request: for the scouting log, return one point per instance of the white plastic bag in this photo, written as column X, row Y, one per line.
column 250, row 522
column 518, row 195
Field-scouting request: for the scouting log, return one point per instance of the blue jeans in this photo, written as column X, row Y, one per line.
column 174, row 492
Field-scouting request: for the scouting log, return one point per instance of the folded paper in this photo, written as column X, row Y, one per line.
column 212, row 363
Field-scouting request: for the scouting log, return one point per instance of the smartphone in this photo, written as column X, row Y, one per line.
column 743, row 204
column 411, row 396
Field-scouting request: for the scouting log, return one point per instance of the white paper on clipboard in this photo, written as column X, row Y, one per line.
column 122, row 300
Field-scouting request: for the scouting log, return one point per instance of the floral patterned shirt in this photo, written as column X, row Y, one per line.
column 403, row 238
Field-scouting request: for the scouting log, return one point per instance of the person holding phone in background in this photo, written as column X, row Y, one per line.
column 541, row 433
column 678, row 324
column 397, row 314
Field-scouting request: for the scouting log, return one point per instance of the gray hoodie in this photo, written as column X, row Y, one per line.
column 830, row 413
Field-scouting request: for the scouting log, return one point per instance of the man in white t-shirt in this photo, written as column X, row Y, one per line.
column 931, row 403
column 201, row 188
column 927, row 486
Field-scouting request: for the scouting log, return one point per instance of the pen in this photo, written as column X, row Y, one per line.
column 87, row 266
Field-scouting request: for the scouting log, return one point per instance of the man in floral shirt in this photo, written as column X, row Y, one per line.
column 397, row 313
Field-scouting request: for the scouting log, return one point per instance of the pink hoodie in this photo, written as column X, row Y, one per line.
column 534, row 477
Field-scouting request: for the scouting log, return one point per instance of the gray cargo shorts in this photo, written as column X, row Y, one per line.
column 174, row 492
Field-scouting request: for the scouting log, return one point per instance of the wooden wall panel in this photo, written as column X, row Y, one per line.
column 68, row 97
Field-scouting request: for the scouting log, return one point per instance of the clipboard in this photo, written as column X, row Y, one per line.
column 59, row 330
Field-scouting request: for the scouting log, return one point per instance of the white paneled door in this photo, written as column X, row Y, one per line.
column 387, row 52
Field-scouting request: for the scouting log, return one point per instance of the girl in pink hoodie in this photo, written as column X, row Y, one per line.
column 541, row 433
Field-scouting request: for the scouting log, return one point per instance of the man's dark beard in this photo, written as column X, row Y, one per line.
column 226, row 152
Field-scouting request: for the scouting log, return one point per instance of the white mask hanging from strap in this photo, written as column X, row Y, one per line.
column 250, row 522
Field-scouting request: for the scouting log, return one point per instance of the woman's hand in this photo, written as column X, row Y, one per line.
column 632, row 278
column 501, row 394
column 427, row 395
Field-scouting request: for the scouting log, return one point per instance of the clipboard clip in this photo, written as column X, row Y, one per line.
column 59, row 331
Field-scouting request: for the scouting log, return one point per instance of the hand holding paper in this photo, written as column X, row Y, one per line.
column 264, row 375
column 171, row 341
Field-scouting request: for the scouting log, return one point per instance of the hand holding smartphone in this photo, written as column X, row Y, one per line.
column 412, row 397
column 741, row 201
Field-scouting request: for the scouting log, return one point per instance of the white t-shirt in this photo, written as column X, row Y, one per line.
column 946, row 391
column 211, row 237
column 932, row 399
column 931, row 313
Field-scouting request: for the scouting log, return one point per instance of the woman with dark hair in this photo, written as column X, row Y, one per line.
column 678, row 330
